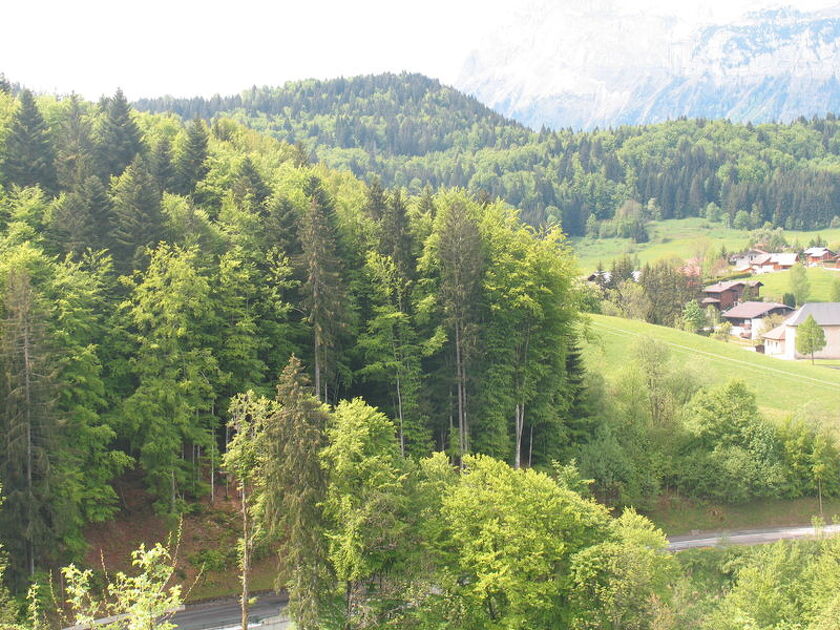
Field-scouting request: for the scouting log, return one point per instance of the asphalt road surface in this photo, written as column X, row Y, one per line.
column 746, row 537
column 226, row 613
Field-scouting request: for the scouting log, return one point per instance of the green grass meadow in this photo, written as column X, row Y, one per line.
column 782, row 387
column 683, row 238
column 778, row 283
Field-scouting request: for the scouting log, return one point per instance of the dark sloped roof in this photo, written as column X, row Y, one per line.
column 750, row 310
column 825, row 313
column 722, row 286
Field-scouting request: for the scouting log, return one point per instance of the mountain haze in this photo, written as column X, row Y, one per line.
column 602, row 65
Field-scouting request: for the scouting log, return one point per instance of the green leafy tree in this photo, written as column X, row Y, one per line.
column 693, row 317
column 170, row 410
column 366, row 507
column 810, row 337
column 392, row 352
column 29, row 156
column 799, row 285
column 834, row 296
column 515, row 535
column 248, row 417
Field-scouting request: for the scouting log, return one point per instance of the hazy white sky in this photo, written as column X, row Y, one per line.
column 186, row 47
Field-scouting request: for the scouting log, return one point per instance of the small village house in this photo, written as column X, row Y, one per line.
column 818, row 256
column 743, row 261
column 725, row 295
column 747, row 318
column 781, row 341
column 773, row 262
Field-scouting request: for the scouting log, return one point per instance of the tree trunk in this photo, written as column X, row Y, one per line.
column 459, row 383
column 246, row 561
column 317, row 365
column 517, row 457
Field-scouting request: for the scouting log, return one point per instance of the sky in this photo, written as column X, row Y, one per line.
column 187, row 48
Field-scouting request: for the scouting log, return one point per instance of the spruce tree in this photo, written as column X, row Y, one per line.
column 74, row 145
column 119, row 139
column 191, row 161
column 295, row 484
column 162, row 166
column 27, row 429
column 29, row 158
column 249, row 189
column 137, row 216
column 322, row 290
column 395, row 236
column 82, row 218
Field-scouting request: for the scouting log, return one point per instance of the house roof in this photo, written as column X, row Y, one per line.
column 825, row 314
column 752, row 310
column 777, row 334
column 766, row 259
column 784, row 259
column 817, row 252
column 709, row 300
column 720, row 287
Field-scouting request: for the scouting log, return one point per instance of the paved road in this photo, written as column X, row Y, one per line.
column 226, row 613
column 745, row 537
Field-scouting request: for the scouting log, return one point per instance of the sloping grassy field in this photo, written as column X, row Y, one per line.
column 778, row 283
column 782, row 387
column 683, row 238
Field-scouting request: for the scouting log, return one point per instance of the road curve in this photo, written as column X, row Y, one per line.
column 746, row 537
column 226, row 613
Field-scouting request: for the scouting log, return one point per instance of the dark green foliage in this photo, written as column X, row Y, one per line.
column 29, row 156
column 82, row 219
column 74, row 145
column 408, row 130
column 137, row 217
column 162, row 166
column 191, row 160
column 249, row 189
column 118, row 137
column 29, row 518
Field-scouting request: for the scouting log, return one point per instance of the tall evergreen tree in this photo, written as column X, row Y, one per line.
column 119, row 140
column 323, row 292
column 29, row 158
column 137, row 216
column 28, row 517
column 250, row 190
column 191, row 160
column 82, row 218
column 294, row 485
column 162, row 165
column 74, row 145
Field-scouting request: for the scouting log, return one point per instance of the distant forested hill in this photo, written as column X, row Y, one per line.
column 410, row 131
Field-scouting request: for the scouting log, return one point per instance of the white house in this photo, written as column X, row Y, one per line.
column 781, row 341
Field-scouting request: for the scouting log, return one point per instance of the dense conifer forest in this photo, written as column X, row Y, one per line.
column 410, row 131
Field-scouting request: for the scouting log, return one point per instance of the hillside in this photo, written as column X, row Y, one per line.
column 782, row 387
column 410, row 131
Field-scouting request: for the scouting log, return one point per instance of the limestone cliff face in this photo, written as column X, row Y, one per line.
column 601, row 65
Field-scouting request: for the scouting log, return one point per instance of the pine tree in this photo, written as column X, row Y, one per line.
column 376, row 201
column 294, row 484
column 191, row 160
column 119, row 139
column 29, row 158
column 395, row 236
column 28, row 429
column 137, row 216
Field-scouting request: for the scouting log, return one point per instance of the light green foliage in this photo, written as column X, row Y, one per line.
column 693, row 317
column 799, row 285
column 834, row 295
column 810, row 337
column 365, row 504
column 620, row 582
column 141, row 600
column 515, row 535
column 176, row 371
